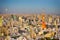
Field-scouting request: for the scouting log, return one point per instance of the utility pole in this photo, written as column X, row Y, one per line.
column 56, row 26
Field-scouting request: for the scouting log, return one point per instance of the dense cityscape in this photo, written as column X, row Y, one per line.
column 29, row 27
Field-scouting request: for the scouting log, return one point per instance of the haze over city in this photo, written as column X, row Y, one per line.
column 30, row 6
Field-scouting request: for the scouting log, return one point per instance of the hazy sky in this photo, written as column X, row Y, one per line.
column 29, row 6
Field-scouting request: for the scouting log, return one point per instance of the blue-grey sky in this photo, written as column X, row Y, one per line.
column 30, row 6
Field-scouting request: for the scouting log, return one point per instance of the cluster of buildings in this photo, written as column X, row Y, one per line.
column 29, row 27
